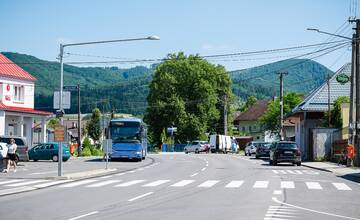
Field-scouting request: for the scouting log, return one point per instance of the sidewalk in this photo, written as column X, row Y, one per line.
column 339, row 170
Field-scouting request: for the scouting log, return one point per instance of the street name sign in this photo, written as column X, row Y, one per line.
column 70, row 88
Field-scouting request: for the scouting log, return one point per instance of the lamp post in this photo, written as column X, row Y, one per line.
column 62, row 47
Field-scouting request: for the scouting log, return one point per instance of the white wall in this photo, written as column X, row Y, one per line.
column 6, row 95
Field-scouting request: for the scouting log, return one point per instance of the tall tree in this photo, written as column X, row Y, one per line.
column 187, row 92
column 93, row 126
column 270, row 121
column 335, row 117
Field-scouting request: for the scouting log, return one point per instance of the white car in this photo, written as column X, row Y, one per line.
column 3, row 150
column 197, row 147
column 251, row 148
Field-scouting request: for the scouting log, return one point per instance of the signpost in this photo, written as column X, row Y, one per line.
column 107, row 143
column 59, row 134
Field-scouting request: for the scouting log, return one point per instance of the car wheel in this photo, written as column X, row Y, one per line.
column 186, row 152
column 257, row 157
column 270, row 162
column 275, row 162
column 55, row 158
column 298, row 163
column 197, row 151
column 35, row 160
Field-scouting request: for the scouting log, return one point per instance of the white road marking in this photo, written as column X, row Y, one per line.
column 78, row 183
column 341, row 186
column 51, row 183
column 234, row 184
column 156, row 183
column 120, row 174
column 141, row 196
column 279, row 171
column 313, row 185
column 203, row 169
column 82, row 216
column 287, row 185
column 261, row 184
column 103, row 183
column 208, row 183
column 277, row 192
column 194, row 174
column 131, row 171
column 298, row 171
column 130, row 183
column 106, row 177
column 11, row 181
column 183, row 183
column 311, row 172
column 27, row 183
column 291, row 172
column 311, row 210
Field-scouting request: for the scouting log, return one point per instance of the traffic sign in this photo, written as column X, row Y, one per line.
column 59, row 133
column 66, row 100
column 70, row 88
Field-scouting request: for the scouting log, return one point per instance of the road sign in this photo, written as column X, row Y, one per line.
column 66, row 100
column 59, row 133
column 70, row 88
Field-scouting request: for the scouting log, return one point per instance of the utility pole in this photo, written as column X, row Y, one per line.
column 282, row 104
column 357, row 94
column 79, row 120
column 352, row 87
column 329, row 109
column 225, row 115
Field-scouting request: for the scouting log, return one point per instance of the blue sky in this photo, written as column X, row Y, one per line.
column 205, row 27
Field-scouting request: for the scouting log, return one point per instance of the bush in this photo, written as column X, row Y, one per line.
column 86, row 152
column 96, row 152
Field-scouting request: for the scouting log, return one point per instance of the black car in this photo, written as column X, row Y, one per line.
column 263, row 150
column 285, row 151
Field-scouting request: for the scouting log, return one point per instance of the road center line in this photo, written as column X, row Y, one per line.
column 85, row 215
column 311, row 210
column 203, row 169
column 141, row 196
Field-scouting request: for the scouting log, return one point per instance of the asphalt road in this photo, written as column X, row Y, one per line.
column 179, row 186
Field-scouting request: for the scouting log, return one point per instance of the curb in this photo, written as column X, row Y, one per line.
column 317, row 168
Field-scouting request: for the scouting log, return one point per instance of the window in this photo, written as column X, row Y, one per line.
column 18, row 93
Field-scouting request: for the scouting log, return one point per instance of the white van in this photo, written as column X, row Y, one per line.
column 220, row 143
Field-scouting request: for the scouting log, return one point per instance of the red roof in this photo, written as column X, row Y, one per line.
column 11, row 70
column 24, row 110
column 254, row 112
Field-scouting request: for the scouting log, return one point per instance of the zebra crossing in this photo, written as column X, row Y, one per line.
column 276, row 212
column 296, row 172
column 229, row 184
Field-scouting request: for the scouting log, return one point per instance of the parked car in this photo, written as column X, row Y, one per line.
column 285, row 151
column 22, row 147
column 263, row 150
column 48, row 151
column 251, row 147
column 197, row 147
column 3, row 150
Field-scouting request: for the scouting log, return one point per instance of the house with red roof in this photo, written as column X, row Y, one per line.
column 17, row 113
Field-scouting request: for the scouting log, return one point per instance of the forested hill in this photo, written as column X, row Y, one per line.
column 125, row 90
column 303, row 76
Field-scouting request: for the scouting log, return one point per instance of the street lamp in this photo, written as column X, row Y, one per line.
column 62, row 47
column 327, row 33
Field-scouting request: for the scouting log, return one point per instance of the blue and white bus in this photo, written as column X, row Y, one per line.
column 129, row 138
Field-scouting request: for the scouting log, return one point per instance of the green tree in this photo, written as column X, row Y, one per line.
column 270, row 121
column 53, row 122
column 93, row 126
column 335, row 117
column 251, row 100
column 187, row 92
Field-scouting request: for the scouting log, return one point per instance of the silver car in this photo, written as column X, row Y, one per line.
column 197, row 147
column 251, row 147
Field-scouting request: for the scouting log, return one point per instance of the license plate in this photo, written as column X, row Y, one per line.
column 288, row 152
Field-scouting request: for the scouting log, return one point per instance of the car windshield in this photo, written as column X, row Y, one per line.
column 287, row 145
column 18, row 141
column 194, row 143
column 125, row 132
column 266, row 146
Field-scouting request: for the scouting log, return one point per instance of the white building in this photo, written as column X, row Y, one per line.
column 17, row 111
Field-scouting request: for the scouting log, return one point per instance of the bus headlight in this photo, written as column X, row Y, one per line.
column 138, row 152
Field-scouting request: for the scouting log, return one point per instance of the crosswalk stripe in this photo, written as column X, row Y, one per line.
column 313, row 185
column 51, row 183
column 208, row 183
column 130, row 183
column 341, row 186
column 298, row 171
column 157, row 183
column 26, row 183
column 291, row 172
column 261, row 184
column 234, row 184
column 108, row 182
column 78, row 183
column 11, row 181
column 183, row 183
column 287, row 185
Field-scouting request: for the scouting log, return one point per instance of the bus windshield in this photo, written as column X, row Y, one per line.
column 125, row 132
